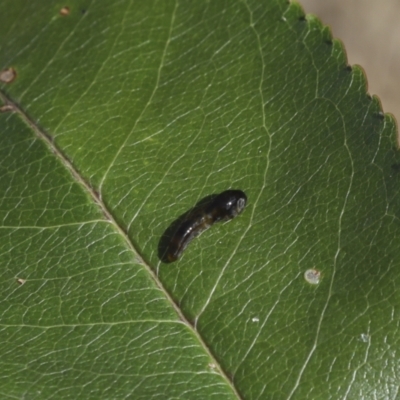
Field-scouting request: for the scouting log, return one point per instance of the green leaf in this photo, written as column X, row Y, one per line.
column 121, row 117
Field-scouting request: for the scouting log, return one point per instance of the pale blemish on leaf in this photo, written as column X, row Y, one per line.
column 6, row 108
column 364, row 337
column 64, row 11
column 7, row 75
column 312, row 276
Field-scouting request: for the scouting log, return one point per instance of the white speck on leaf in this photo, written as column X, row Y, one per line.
column 364, row 337
column 312, row 276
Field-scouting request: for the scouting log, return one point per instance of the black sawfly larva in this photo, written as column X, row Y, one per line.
column 223, row 207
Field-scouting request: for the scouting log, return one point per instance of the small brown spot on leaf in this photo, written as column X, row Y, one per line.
column 21, row 281
column 64, row 11
column 6, row 108
column 7, row 75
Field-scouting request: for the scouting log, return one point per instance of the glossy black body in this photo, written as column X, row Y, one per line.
column 223, row 207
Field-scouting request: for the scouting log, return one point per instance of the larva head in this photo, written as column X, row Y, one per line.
column 233, row 202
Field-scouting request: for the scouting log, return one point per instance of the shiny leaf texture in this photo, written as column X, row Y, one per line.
column 121, row 117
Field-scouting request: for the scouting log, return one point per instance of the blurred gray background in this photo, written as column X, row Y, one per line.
column 370, row 32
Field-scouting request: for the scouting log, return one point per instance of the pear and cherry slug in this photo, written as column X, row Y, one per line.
column 223, row 207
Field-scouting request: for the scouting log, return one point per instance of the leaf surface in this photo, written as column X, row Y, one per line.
column 126, row 114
